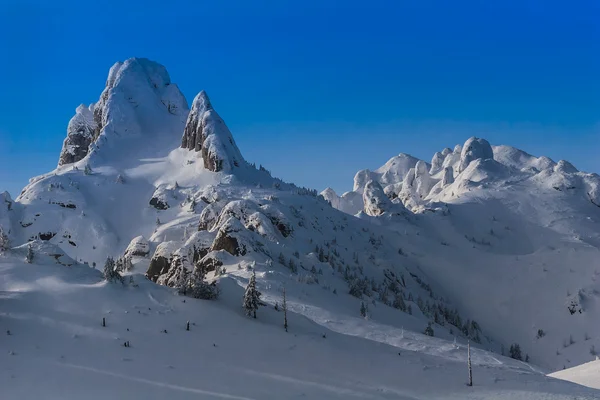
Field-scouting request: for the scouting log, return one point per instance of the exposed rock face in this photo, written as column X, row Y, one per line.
column 206, row 132
column 474, row 149
column 229, row 238
column 138, row 246
column 161, row 260
column 376, row 202
column 211, row 261
column 80, row 134
column 134, row 88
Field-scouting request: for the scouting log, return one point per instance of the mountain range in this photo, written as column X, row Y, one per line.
column 484, row 244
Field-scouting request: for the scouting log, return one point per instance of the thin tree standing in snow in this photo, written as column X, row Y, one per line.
column 29, row 255
column 469, row 363
column 285, row 324
column 251, row 297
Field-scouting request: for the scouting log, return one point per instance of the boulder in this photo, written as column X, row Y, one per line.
column 138, row 246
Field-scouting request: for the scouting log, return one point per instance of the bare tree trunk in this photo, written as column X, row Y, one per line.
column 469, row 363
column 285, row 324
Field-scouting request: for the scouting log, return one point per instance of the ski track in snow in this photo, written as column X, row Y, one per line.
column 155, row 383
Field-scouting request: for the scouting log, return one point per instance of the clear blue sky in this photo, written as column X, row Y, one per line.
column 319, row 90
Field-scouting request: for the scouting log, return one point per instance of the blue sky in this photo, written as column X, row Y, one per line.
column 316, row 90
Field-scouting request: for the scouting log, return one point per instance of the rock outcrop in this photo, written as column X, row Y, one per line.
column 474, row 149
column 138, row 246
column 376, row 202
column 206, row 132
column 136, row 99
column 80, row 134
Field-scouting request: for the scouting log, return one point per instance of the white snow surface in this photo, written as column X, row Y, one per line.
column 57, row 347
column 487, row 246
column 587, row 374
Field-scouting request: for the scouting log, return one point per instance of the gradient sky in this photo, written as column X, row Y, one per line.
column 318, row 90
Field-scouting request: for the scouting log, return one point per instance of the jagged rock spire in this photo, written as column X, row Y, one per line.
column 206, row 132
column 138, row 97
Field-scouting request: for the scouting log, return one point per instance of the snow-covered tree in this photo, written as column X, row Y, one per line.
column 199, row 288
column 515, row 352
column 429, row 330
column 364, row 309
column 4, row 241
column 87, row 170
column 29, row 255
column 110, row 272
column 251, row 297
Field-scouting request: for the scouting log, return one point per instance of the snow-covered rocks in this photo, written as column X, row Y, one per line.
column 139, row 99
column 207, row 133
column 474, row 149
column 231, row 238
column 376, row 202
column 81, row 133
column 138, row 246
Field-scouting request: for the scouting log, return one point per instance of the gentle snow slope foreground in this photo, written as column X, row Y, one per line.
column 587, row 374
column 58, row 349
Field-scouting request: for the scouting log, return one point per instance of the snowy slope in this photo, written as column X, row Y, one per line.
column 484, row 243
column 58, row 348
column 587, row 374
column 519, row 231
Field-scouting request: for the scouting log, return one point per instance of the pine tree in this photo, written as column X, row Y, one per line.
column 110, row 272
column 399, row 303
column 251, row 297
column 181, row 282
column 515, row 352
column 87, row 170
column 199, row 288
column 282, row 259
column 363, row 309
column 4, row 241
column 29, row 256
column 285, row 322
column 429, row 330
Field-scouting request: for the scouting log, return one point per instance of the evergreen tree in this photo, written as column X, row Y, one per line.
column 251, row 297
column 515, row 352
column 199, row 288
column 399, row 303
column 282, row 259
column 87, row 170
column 429, row 330
column 363, row 309
column 110, row 272
column 181, row 281
column 4, row 241
column 29, row 255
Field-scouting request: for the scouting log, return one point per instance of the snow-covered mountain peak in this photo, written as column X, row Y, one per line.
column 139, row 100
column 206, row 132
